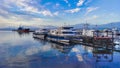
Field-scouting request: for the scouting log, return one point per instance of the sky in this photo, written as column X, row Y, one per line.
column 58, row 12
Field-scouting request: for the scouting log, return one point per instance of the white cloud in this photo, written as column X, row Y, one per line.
column 91, row 18
column 25, row 6
column 22, row 5
column 66, row 1
column 91, row 9
column 16, row 20
column 57, row 4
column 18, row 3
column 73, row 10
column 56, row 13
column 46, row 13
column 80, row 3
column 95, row 16
column 3, row 11
column 30, row 9
column 89, row 1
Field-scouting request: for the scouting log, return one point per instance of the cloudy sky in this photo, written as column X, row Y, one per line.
column 58, row 12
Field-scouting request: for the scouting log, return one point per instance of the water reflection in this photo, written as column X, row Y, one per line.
column 24, row 51
column 23, row 33
column 103, row 54
column 40, row 41
column 117, row 42
column 62, row 48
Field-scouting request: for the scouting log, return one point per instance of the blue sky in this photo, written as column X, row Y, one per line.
column 58, row 12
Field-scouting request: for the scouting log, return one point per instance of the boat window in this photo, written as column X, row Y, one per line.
column 44, row 29
column 67, row 32
column 77, row 33
column 56, row 32
column 67, row 27
column 52, row 31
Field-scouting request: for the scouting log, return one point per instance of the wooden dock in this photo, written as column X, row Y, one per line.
column 96, row 40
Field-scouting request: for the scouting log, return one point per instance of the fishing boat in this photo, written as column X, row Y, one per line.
column 63, row 35
column 22, row 30
column 41, row 34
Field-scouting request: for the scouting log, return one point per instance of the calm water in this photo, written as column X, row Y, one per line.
column 23, row 51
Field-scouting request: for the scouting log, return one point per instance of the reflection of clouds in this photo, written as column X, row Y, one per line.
column 34, row 50
column 88, row 49
column 75, row 50
column 22, row 52
column 79, row 57
column 78, row 54
column 13, row 39
column 62, row 48
column 15, row 62
column 82, row 53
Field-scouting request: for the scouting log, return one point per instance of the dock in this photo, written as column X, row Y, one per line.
column 92, row 38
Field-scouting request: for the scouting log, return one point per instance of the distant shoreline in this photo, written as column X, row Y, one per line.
column 4, row 30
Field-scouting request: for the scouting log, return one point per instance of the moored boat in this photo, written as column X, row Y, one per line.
column 63, row 35
column 23, row 30
column 41, row 34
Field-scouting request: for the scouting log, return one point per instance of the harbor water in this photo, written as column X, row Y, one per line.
column 21, row 50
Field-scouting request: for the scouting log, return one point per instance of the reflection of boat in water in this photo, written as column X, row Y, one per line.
column 62, row 48
column 103, row 39
column 63, row 35
column 40, row 40
column 23, row 33
column 103, row 54
column 41, row 34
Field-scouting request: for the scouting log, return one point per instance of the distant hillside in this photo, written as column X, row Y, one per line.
column 30, row 27
column 76, row 26
column 7, row 28
column 109, row 25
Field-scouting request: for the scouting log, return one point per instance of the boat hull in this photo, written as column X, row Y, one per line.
column 40, row 36
column 59, row 39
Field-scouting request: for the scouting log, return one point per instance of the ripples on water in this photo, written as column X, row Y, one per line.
column 21, row 50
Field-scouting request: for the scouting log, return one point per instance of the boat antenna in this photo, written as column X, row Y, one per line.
column 86, row 25
column 64, row 23
column 96, row 26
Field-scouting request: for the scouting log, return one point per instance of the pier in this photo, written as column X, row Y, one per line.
column 88, row 37
column 100, row 39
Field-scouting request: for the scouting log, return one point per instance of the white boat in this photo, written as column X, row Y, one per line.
column 116, row 31
column 41, row 34
column 63, row 35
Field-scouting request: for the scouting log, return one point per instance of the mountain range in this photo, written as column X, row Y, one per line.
column 76, row 26
column 102, row 26
column 30, row 27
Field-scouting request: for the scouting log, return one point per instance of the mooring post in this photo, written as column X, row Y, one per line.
column 112, row 37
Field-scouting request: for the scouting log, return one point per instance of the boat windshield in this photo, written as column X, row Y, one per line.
column 68, row 32
column 67, row 27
